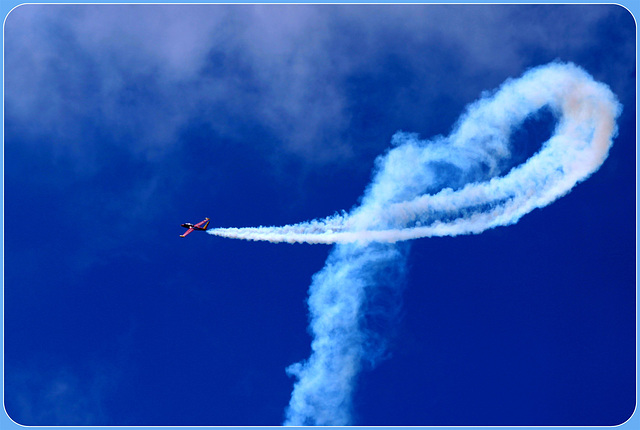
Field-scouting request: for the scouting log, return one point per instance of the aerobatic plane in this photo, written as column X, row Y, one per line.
column 202, row 225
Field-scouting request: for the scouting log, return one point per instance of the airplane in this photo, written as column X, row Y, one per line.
column 202, row 225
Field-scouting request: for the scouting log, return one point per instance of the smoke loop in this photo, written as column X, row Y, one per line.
column 443, row 187
column 396, row 206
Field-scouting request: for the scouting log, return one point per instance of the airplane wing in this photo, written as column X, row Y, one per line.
column 203, row 223
column 187, row 232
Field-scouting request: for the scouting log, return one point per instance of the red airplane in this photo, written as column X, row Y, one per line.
column 202, row 225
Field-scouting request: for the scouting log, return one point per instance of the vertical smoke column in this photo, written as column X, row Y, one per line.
column 322, row 395
column 340, row 296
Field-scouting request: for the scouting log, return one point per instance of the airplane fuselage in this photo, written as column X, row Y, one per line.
column 189, row 225
column 201, row 226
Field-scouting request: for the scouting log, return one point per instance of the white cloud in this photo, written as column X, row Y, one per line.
column 141, row 73
column 56, row 397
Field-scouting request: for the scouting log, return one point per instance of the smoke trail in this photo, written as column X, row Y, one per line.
column 443, row 187
column 399, row 206
column 337, row 304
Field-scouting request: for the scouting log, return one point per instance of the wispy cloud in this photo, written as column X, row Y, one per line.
column 59, row 397
column 141, row 74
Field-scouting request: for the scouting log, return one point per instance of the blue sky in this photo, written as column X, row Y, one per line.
column 122, row 122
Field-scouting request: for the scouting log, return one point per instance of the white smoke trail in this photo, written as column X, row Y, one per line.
column 586, row 112
column 443, row 187
column 337, row 304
